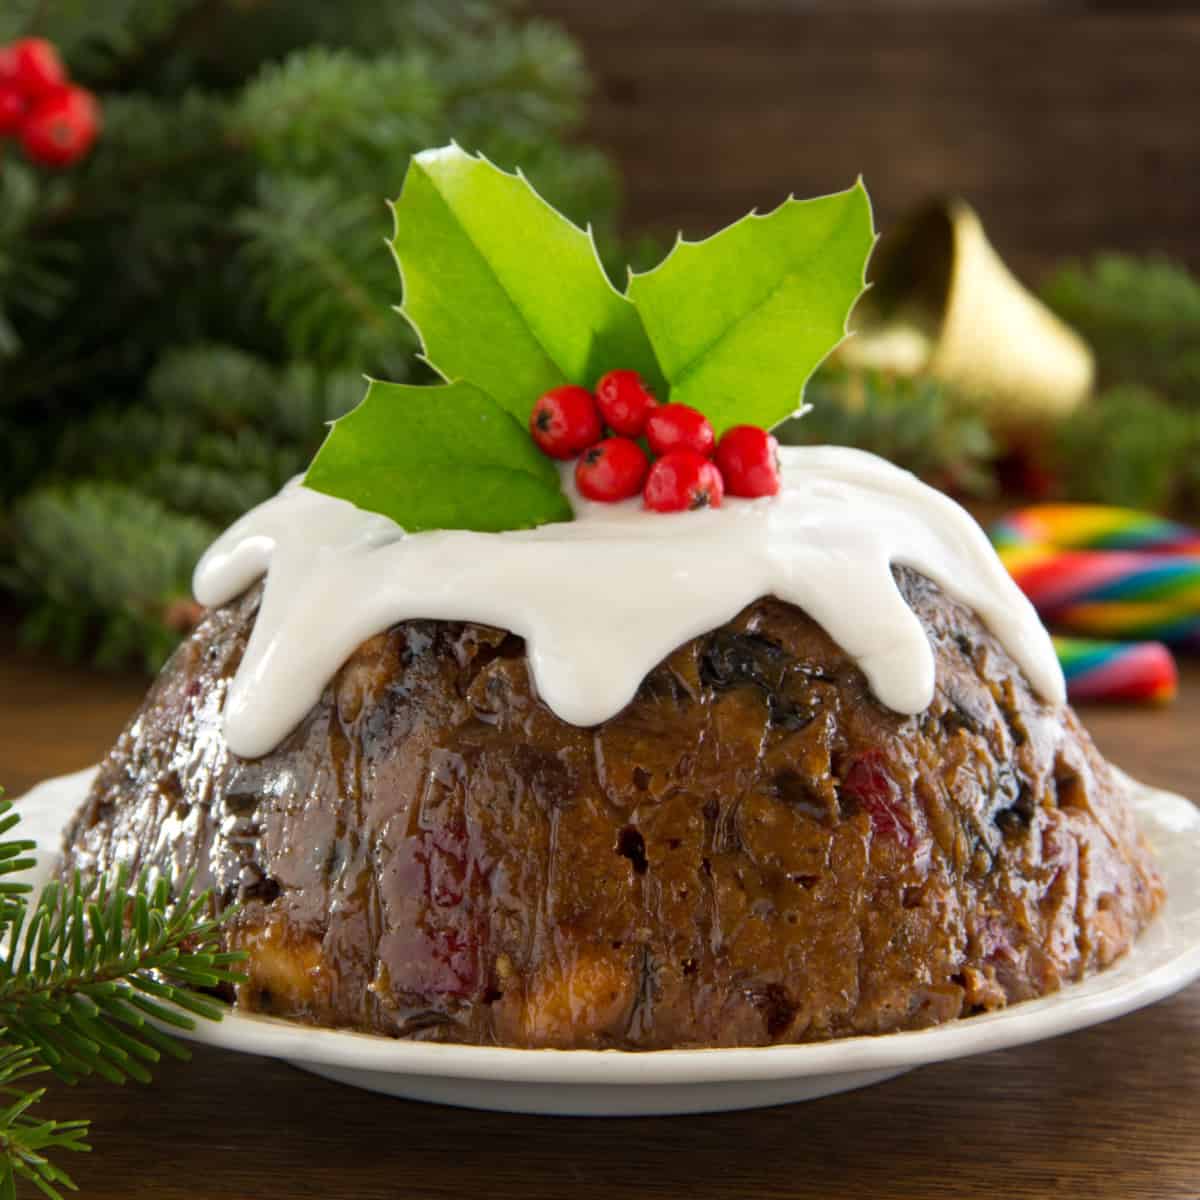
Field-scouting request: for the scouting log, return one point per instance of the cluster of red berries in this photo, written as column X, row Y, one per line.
column 55, row 121
column 690, row 468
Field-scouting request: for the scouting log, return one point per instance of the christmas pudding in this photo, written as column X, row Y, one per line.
column 501, row 729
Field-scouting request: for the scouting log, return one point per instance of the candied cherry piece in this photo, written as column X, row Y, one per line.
column 564, row 421
column 748, row 459
column 625, row 402
column 682, row 480
column 611, row 470
column 870, row 785
column 679, row 427
column 440, row 952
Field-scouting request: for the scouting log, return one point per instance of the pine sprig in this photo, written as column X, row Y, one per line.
column 103, row 556
column 314, row 258
column 103, row 566
column 13, row 860
column 1141, row 315
column 1133, row 448
column 94, row 963
column 914, row 423
column 91, row 976
column 26, row 1140
column 32, row 277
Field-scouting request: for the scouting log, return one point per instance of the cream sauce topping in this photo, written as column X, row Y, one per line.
column 603, row 599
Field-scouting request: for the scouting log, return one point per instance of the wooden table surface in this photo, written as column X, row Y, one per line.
column 1109, row 1112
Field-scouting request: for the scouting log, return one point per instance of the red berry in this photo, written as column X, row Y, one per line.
column 681, row 480
column 625, row 402
column 611, row 470
column 61, row 128
column 678, row 427
column 13, row 107
column 748, row 459
column 565, row 421
column 33, row 66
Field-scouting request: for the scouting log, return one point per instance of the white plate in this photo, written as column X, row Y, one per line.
column 612, row 1082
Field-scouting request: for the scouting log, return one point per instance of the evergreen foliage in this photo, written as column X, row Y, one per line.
column 1138, row 443
column 1131, row 447
column 90, row 973
column 1141, row 315
column 914, row 423
column 180, row 313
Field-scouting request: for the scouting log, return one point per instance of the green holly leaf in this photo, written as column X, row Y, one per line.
column 740, row 321
column 509, row 299
column 504, row 291
column 443, row 457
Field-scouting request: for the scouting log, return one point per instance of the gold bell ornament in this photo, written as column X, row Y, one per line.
column 943, row 304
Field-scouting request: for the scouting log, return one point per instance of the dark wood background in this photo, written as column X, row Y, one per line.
column 1072, row 127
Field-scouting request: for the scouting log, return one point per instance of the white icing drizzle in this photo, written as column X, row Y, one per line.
column 601, row 600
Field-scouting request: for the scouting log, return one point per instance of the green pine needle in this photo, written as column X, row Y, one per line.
column 25, row 1139
column 914, row 423
column 1141, row 316
column 90, row 974
column 1131, row 447
column 182, row 312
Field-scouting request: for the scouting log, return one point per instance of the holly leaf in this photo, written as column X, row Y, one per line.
column 740, row 321
column 442, row 457
column 504, row 291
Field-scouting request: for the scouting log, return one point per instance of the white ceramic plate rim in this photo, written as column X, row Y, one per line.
column 1143, row 977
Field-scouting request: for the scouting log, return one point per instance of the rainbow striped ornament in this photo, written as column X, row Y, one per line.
column 1093, row 527
column 1110, row 573
column 1138, row 672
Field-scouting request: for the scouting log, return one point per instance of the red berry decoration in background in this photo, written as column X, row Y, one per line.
column 565, row 421
column 13, row 109
column 55, row 122
column 611, row 470
column 678, row 427
column 62, row 128
column 748, row 459
column 32, row 65
column 681, row 480
column 625, row 402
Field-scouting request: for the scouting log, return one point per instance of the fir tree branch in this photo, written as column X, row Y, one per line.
column 25, row 1139
column 13, row 860
column 1141, row 316
column 33, row 277
column 323, row 273
column 94, row 963
column 1130, row 447
column 87, row 978
column 913, row 422
column 93, row 554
